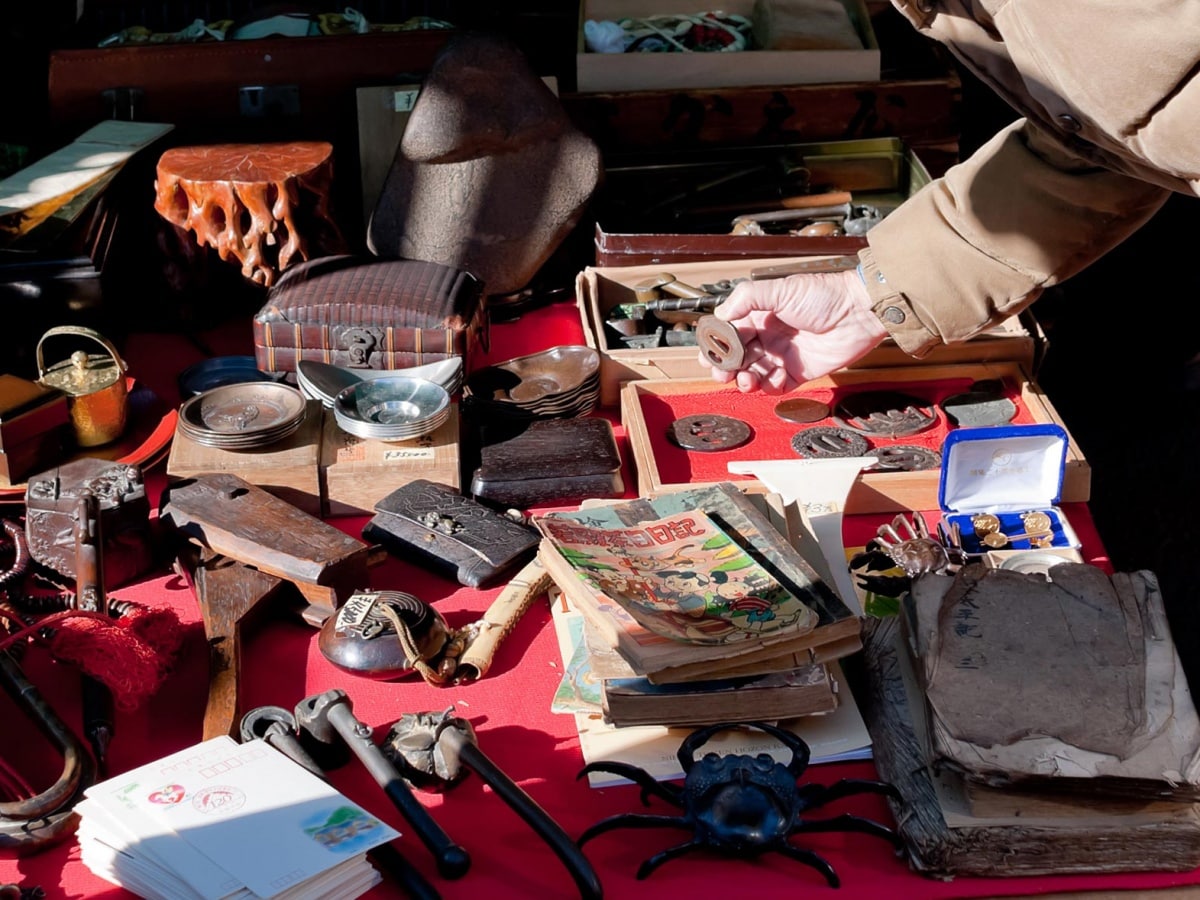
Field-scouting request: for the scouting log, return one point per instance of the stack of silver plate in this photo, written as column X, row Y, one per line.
column 398, row 408
column 322, row 381
column 242, row 416
column 560, row 383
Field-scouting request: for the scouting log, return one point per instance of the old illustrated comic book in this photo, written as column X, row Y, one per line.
column 694, row 584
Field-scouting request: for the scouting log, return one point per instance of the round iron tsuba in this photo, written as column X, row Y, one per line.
column 976, row 409
column 720, row 344
column 905, row 458
column 708, row 432
column 801, row 410
column 827, row 442
column 884, row 413
column 362, row 640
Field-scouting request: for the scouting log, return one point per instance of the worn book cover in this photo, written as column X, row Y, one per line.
column 598, row 680
column 732, row 592
column 1082, row 684
column 952, row 827
column 805, row 691
column 835, row 736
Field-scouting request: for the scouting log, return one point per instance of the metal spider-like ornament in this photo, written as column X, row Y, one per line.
column 907, row 544
column 742, row 805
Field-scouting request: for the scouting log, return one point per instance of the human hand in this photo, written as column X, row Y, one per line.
column 798, row 328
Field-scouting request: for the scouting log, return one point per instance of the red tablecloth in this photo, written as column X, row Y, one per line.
column 510, row 711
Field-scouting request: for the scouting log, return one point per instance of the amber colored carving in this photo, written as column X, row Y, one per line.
column 252, row 203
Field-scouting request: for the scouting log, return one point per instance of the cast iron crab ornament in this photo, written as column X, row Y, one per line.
column 742, row 805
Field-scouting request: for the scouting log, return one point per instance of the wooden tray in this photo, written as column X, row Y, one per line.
column 648, row 407
column 599, row 289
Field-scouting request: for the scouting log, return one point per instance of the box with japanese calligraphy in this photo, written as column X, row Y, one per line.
column 907, row 475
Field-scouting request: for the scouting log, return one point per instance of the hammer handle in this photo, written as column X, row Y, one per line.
column 452, row 860
column 528, row 809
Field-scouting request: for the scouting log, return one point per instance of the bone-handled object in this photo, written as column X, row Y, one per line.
column 500, row 619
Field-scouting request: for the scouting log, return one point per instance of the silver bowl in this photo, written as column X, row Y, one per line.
column 395, row 408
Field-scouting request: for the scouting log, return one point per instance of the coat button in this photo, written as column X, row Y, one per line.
column 1069, row 123
column 893, row 315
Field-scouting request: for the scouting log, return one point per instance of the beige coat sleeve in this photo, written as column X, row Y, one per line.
column 981, row 243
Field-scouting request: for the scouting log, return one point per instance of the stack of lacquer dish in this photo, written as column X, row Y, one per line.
column 322, row 381
column 398, row 408
column 560, row 383
column 242, row 416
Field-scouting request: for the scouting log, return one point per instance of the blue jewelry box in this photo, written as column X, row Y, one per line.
column 999, row 488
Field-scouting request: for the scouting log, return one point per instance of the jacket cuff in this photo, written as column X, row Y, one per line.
column 895, row 311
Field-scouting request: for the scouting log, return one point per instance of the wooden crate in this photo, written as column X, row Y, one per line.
column 599, row 290
column 648, row 408
column 595, row 72
column 288, row 469
column 357, row 473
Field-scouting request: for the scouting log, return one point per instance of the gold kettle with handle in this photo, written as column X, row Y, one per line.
column 97, row 396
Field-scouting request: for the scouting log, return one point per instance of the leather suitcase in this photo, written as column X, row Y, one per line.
column 369, row 313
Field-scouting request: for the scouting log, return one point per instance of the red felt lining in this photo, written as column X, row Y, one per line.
column 772, row 436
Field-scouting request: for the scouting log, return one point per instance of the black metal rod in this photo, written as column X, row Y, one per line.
column 452, row 860
column 277, row 728
column 528, row 809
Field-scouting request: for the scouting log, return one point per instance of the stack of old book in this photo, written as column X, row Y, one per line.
column 693, row 608
column 1036, row 724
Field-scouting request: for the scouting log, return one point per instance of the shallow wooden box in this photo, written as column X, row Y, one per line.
column 356, row 473
column 599, row 289
column 649, row 407
column 288, row 469
column 596, row 72
column 656, row 210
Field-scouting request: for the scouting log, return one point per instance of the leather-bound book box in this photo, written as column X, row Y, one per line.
column 368, row 313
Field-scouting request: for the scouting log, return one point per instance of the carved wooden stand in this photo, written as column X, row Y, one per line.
column 265, row 205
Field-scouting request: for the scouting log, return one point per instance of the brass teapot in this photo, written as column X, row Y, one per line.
column 97, row 396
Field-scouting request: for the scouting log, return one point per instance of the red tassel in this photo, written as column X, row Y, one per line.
column 130, row 655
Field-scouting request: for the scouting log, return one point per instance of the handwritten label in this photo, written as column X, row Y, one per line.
column 403, row 453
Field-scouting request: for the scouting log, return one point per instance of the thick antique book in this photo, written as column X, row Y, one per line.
column 731, row 597
column 953, row 827
column 1078, row 672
